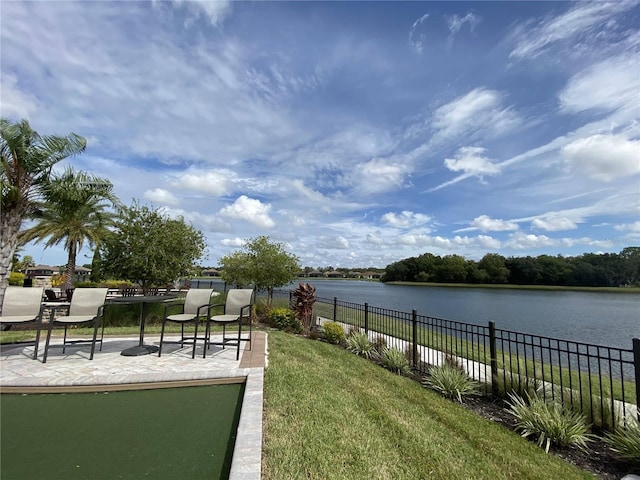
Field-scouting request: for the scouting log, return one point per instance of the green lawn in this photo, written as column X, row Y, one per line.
column 332, row 415
column 185, row 432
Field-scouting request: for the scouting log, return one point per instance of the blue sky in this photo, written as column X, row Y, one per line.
column 358, row 133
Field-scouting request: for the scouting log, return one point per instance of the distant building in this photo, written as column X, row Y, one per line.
column 372, row 275
column 335, row 274
column 316, row 274
column 41, row 271
column 210, row 272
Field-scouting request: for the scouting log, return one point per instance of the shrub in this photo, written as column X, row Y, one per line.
column 450, row 382
column 379, row 344
column 302, row 300
column 285, row 319
column 394, row 360
column 625, row 442
column 549, row 423
column 85, row 284
column 333, row 333
column 16, row 279
column 353, row 330
column 359, row 344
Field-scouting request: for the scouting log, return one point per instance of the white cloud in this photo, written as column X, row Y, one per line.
column 480, row 109
column 337, row 242
column 629, row 227
column 416, row 38
column 214, row 10
column 213, row 181
column 487, row 224
column 405, row 219
column 457, row 242
column 470, row 161
column 379, row 175
column 249, row 210
column 162, row 196
column 15, row 103
column 554, row 223
column 520, row 241
column 456, row 22
column 233, row 242
column 583, row 17
column 375, row 239
column 608, row 85
column 603, row 157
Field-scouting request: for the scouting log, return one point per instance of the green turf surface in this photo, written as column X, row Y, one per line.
column 186, row 432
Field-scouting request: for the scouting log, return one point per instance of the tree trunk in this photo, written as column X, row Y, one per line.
column 9, row 227
column 70, row 269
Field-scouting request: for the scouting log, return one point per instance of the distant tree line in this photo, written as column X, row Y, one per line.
column 589, row 269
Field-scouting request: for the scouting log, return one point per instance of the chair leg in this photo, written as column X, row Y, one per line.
column 239, row 337
column 93, row 343
column 182, row 335
column 195, row 338
column 46, row 345
column 35, row 348
column 161, row 337
column 207, row 342
column 224, row 338
column 64, row 340
column 102, row 335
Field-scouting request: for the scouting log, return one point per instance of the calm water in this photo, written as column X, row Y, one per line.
column 608, row 319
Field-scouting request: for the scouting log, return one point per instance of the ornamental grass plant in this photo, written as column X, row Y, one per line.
column 395, row 360
column 549, row 423
column 450, row 382
column 625, row 442
column 360, row 344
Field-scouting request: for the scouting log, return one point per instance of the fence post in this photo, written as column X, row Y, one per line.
column 335, row 309
column 414, row 353
column 366, row 318
column 636, row 364
column 494, row 359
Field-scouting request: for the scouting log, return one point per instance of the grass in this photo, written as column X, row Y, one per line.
column 332, row 415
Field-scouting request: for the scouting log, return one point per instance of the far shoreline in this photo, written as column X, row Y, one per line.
column 507, row 286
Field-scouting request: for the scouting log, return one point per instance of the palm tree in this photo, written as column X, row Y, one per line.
column 74, row 210
column 26, row 159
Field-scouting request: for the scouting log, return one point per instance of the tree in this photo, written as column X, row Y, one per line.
column 150, row 248
column 73, row 211
column 264, row 263
column 495, row 267
column 26, row 159
column 22, row 265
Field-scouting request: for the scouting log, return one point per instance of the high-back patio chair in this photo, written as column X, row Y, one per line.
column 86, row 308
column 196, row 306
column 237, row 308
column 21, row 305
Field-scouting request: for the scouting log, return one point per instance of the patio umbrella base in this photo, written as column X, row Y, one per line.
column 139, row 350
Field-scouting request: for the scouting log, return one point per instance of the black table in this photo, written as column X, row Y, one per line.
column 141, row 348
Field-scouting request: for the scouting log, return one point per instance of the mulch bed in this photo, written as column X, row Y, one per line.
column 597, row 460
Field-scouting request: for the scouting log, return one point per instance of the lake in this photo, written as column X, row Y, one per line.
column 610, row 319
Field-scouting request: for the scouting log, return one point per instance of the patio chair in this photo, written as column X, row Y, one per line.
column 21, row 305
column 196, row 305
column 86, row 307
column 236, row 309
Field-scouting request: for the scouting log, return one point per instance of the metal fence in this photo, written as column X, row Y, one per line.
column 602, row 382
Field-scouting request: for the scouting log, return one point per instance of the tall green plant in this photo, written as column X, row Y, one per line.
column 26, row 159
column 73, row 210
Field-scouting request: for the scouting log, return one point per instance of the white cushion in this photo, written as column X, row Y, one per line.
column 75, row 319
column 181, row 317
column 224, row 318
column 16, row 319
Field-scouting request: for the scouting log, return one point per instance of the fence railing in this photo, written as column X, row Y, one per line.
column 600, row 381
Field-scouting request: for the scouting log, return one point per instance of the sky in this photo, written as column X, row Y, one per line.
column 356, row 133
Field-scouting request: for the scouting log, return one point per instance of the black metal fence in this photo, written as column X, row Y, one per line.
column 602, row 382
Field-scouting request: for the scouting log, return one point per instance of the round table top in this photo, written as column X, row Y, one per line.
column 143, row 298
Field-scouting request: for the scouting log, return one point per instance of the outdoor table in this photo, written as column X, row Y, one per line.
column 144, row 300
